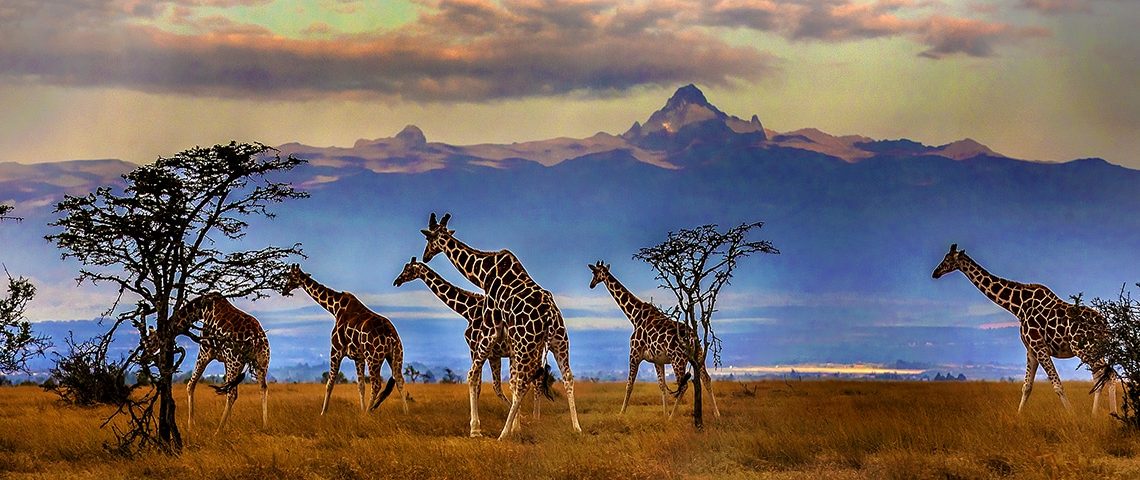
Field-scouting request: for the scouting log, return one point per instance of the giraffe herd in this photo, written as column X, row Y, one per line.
column 516, row 319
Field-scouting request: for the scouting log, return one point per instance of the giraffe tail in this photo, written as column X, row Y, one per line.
column 226, row 388
column 681, row 382
column 545, row 381
column 384, row 394
column 1104, row 376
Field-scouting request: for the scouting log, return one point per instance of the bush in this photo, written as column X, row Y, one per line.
column 1121, row 348
column 84, row 377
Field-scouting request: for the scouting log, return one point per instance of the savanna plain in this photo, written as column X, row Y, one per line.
column 769, row 429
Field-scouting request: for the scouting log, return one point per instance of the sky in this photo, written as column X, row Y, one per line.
column 1047, row 80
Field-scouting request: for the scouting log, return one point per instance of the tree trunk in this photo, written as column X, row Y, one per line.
column 698, row 417
column 168, row 433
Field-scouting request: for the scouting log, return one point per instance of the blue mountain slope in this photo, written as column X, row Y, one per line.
column 858, row 238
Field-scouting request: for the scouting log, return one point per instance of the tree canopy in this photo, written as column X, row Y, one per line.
column 17, row 342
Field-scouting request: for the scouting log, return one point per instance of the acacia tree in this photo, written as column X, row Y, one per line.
column 17, row 342
column 695, row 264
column 159, row 241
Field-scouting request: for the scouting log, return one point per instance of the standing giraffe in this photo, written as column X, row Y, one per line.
column 230, row 336
column 1050, row 327
column 486, row 341
column 656, row 339
column 360, row 334
column 527, row 311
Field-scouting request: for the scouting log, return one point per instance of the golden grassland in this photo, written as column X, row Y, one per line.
column 813, row 429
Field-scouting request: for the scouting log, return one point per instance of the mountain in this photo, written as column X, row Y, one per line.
column 860, row 224
column 686, row 130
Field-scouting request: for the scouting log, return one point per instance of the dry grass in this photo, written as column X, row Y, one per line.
column 798, row 430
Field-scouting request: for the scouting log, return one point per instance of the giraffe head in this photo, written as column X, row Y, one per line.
column 412, row 270
column 436, row 235
column 293, row 279
column 952, row 261
column 601, row 271
column 150, row 344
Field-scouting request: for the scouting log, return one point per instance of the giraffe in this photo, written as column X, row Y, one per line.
column 230, row 336
column 656, row 339
column 532, row 320
column 1050, row 327
column 360, row 334
column 486, row 341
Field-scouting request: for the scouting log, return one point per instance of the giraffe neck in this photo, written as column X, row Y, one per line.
column 191, row 311
column 475, row 265
column 624, row 298
column 324, row 296
column 458, row 299
column 989, row 284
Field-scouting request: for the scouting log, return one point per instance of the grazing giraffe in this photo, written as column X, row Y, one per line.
column 360, row 334
column 527, row 311
column 487, row 343
column 656, row 339
column 230, row 336
column 1050, row 327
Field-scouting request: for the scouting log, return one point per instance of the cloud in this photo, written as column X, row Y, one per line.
column 1058, row 6
column 846, row 20
column 454, row 50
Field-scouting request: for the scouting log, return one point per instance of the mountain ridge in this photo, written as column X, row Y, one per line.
column 859, row 236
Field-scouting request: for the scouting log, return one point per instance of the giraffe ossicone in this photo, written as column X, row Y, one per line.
column 1050, row 327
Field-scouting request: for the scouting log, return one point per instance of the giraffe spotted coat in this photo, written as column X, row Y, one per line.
column 366, row 337
column 656, row 339
column 1050, row 327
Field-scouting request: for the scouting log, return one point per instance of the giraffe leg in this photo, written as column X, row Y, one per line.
column 1096, row 392
column 1030, row 374
column 474, row 379
column 518, row 391
column 660, row 368
column 263, row 376
column 496, row 365
column 708, row 388
column 396, row 362
column 679, row 370
column 537, row 403
column 334, row 369
column 264, row 399
column 1112, row 393
column 1047, row 364
column 360, row 375
column 1111, row 383
column 204, row 359
column 233, row 369
column 560, row 347
column 634, row 364
column 377, row 381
